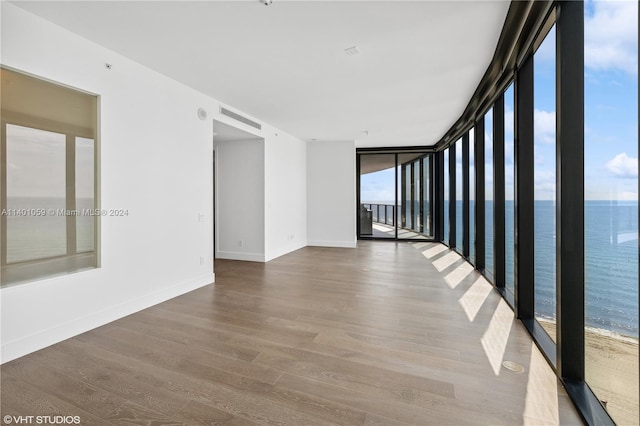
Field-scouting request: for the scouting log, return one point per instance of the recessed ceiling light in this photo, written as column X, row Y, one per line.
column 353, row 50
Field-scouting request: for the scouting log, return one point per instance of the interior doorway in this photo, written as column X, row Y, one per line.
column 238, row 193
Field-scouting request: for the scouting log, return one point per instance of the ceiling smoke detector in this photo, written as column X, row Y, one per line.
column 353, row 50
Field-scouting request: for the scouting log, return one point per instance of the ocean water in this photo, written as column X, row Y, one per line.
column 611, row 261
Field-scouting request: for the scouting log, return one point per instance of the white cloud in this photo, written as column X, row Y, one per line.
column 545, row 185
column 611, row 36
column 628, row 196
column 508, row 122
column 623, row 166
column 544, row 126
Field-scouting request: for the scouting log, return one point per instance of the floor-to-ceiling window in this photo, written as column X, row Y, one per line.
column 391, row 195
column 378, row 214
column 509, row 190
column 417, row 192
column 544, row 98
column 472, row 198
column 488, row 192
column 611, row 206
column 567, row 193
column 446, row 196
column 407, row 194
column 426, row 196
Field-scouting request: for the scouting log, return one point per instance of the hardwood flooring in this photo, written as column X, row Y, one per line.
column 385, row 334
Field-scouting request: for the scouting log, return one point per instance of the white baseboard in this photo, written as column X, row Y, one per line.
column 322, row 243
column 232, row 255
column 26, row 345
column 285, row 250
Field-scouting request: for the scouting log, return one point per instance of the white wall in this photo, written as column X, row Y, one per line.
column 331, row 194
column 240, row 230
column 285, row 195
column 156, row 161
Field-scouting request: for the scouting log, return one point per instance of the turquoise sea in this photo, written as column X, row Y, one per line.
column 611, row 261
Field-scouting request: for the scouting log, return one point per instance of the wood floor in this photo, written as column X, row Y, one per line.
column 385, row 334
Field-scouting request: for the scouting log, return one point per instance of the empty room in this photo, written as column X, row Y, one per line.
column 319, row 212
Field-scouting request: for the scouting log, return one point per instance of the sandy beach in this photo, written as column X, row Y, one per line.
column 611, row 371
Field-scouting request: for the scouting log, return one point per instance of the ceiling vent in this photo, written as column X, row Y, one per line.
column 238, row 117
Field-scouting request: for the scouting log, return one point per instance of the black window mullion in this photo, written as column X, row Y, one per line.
column 395, row 191
column 412, row 189
column 570, row 190
column 358, row 199
column 452, row 195
column 432, row 184
column 498, row 193
column 403, row 196
column 465, row 195
column 524, row 192
column 421, row 201
column 479, row 194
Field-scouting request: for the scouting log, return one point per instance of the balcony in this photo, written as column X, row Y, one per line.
column 379, row 221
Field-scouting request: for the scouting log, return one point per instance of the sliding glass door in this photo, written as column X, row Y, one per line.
column 394, row 196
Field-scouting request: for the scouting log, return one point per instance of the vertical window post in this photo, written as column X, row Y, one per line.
column 403, row 195
column 438, row 173
column 524, row 192
column 570, row 189
column 465, row 195
column 452, row 195
column 479, row 191
column 498, row 193
column 422, row 227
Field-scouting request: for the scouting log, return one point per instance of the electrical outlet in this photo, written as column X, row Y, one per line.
column 240, row 243
column 202, row 260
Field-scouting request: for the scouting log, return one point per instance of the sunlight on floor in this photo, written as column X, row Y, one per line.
column 434, row 251
column 494, row 340
column 474, row 297
column 456, row 276
column 419, row 246
column 445, row 261
column 541, row 403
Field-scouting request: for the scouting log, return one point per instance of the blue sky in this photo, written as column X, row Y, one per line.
column 611, row 112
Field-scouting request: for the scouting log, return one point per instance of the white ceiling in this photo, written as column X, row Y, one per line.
column 285, row 64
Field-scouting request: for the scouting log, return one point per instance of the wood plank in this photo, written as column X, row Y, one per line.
column 370, row 336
